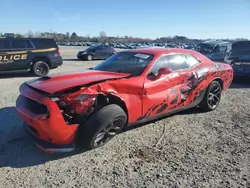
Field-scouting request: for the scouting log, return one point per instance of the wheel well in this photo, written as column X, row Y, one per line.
column 220, row 82
column 111, row 99
column 45, row 59
column 116, row 100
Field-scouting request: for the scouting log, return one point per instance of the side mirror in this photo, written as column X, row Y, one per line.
column 164, row 71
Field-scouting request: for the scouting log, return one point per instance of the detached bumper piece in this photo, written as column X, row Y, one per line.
column 46, row 146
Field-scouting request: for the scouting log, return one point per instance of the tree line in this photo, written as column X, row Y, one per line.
column 73, row 37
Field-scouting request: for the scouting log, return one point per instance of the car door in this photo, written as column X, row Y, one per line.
column 190, row 90
column 19, row 54
column 5, row 62
column 99, row 52
column 163, row 95
column 219, row 53
column 107, row 51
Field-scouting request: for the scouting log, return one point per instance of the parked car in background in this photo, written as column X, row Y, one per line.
column 102, row 51
column 237, row 54
column 239, row 58
column 132, row 87
column 214, row 50
column 38, row 55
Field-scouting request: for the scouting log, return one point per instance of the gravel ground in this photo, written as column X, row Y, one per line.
column 197, row 150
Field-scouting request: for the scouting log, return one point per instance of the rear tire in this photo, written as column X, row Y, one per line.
column 102, row 126
column 212, row 97
column 40, row 68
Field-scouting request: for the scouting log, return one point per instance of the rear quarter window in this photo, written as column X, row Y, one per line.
column 29, row 44
column 192, row 61
column 44, row 43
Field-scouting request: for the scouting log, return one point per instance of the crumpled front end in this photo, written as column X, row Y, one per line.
column 45, row 122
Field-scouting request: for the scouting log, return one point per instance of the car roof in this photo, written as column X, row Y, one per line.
column 160, row 51
column 241, row 42
column 216, row 42
column 25, row 38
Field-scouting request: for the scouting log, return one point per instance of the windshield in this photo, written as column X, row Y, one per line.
column 126, row 62
column 91, row 48
column 241, row 48
column 204, row 47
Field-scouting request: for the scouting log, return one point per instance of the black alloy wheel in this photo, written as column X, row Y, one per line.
column 102, row 126
column 110, row 131
column 40, row 68
column 212, row 97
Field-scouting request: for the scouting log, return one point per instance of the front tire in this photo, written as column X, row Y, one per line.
column 212, row 97
column 40, row 68
column 102, row 126
column 89, row 57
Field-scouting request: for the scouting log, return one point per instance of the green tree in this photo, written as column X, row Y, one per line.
column 74, row 37
column 18, row 35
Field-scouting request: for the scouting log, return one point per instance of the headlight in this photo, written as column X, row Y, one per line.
column 82, row 103
column 84, row 53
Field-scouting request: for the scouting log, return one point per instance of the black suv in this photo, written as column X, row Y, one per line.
column 237, row 54
column 239, row 58
column 215, row 50
column 39, row 55
column 102, row 51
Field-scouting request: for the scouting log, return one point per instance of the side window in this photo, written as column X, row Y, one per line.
column 43, row 43
column 220, row 49
column 159, row 64
column 29, row 45
column 105, row 48
column 174, row 62
column 192, row 61
column 18, row 44
column 99, row 47
column 177, row 62
column 4, row 45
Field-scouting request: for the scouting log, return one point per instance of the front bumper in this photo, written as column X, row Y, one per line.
column 47, row 146
column 50, row 128
column 82, row 56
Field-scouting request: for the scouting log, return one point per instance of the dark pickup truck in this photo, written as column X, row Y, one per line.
column 38, row 55
column 237, row 54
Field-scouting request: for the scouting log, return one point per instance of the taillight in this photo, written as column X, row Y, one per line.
column 59, row 52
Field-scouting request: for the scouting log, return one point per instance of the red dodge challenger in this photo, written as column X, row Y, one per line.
column 88, row 108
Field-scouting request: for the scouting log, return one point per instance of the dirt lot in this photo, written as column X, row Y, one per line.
column 198, row 149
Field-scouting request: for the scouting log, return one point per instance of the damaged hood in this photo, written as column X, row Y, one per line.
column 58, row 82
